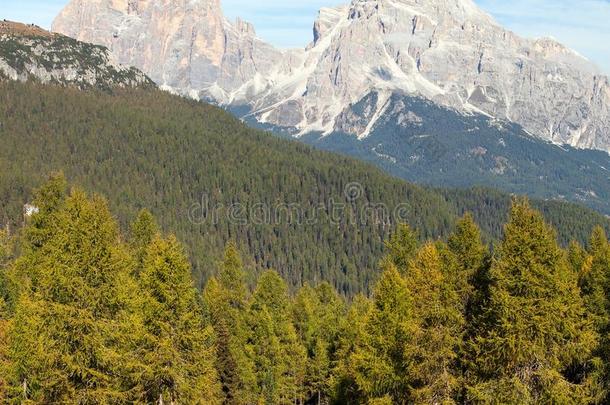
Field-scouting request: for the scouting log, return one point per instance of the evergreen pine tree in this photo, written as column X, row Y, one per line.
column 5, row 256
column 437, row 310
column 402, row 246
column 279, row 357
column 4, row 324
column 383, row 359
column 304, row 311
column 226, row 300
column 5, row 259
column 4, row 248
column 318, row 372
column 577, row 257
column 331, row 312
column 65, row 339
column 143, row 230
column 318, row 313
column 343, row 385
column 233, row 279
column 595, row 286
column 179, row 355
column 468, row 249
column 4, row 364
column 534, row 344
column 49, row 198
column 595, row 279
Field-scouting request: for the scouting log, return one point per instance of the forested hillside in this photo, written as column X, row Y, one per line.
column 422, row 142
column 193, row 164
column 89, row 314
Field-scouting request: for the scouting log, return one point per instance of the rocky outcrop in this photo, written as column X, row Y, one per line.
column 30, row 53
column 185, row 46
column 447, row 51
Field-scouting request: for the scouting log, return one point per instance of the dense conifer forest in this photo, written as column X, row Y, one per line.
column 183, row 159
column 92, row 313
column 156, row 250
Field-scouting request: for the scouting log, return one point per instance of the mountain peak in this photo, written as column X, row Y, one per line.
column 447, row 51
column 455, row 54
column 245, row 27
column 456, row 10
column 188, row 47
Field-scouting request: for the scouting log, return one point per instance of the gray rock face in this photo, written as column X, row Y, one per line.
column 447, row 51
column 185, row 46
column 28, row 52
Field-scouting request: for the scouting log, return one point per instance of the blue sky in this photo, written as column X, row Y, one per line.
column 584, row 25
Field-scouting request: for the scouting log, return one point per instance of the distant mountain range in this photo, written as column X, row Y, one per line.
column 423, row 142
column 435, row 92
column 206, row 175
column 446, row 51
column 209, row 179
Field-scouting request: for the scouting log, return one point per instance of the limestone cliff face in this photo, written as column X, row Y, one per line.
column 450, row 52
column 186, row 45
column 447, row 51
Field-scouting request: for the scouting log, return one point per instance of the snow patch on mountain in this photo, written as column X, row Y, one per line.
column 446, row 51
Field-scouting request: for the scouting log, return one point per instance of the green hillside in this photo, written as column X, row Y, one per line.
column 146, row 148
column 444, row 148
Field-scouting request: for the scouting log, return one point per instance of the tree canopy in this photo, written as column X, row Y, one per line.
column 93, row 314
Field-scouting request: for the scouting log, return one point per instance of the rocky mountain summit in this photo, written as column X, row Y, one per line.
column 185, row 46
column 454, row 54
column 433, row 91
column 447, row 51
column 28, row 52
